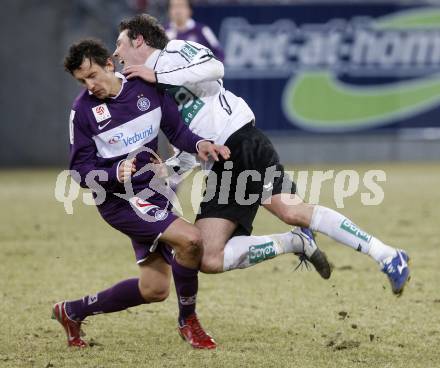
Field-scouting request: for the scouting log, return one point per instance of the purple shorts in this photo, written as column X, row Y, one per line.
column 142, row 251
column 142, row 221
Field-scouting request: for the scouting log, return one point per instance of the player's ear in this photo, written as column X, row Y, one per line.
column 110, row 66
column 138, row 41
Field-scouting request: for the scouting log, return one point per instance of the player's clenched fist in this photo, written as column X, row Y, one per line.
column 126, row 169
column 207, row 149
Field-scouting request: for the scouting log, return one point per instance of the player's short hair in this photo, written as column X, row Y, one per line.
column 143, row 24
column 91, row 49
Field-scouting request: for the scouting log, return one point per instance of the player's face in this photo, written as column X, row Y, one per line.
column 126, row 52
column 101, row 81
column 179, row 11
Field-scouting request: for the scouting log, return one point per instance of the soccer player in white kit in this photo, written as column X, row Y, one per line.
column 192, row 75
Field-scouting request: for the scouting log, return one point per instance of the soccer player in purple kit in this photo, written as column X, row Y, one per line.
column 183, row 27
column 110, row 119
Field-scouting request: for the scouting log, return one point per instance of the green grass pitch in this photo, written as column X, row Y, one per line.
column 265, row 316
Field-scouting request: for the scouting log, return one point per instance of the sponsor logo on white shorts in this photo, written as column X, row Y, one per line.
column 268, row 187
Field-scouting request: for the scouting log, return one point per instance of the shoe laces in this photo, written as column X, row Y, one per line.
column 303, row 260
column 196, row 328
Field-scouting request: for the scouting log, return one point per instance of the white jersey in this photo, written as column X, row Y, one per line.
column 192, row 75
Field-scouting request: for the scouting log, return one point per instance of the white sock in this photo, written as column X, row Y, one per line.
column 247, row 251
column 341, row 229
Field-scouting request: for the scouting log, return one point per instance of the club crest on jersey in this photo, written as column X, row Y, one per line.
column 161, row 215
column 143, row 104
column 101, row 112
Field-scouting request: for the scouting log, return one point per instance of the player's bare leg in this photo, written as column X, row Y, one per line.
column 222, row 252
column 215, row 233
column 151, row 287
column 292, row 210
column 186, row 241
column 154, row 279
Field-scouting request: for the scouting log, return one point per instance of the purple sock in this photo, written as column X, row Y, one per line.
column 186, row 281
column 123, row 295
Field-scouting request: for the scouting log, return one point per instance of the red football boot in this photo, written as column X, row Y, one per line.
column 72, row 328
column 195, row 335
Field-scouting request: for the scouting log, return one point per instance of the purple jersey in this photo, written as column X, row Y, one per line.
column 103, row 132
column 196, row 32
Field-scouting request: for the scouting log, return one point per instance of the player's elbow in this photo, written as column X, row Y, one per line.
column 218, row 69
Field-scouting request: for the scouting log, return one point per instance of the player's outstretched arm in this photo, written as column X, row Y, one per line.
column 188, row 63
column 180, row 136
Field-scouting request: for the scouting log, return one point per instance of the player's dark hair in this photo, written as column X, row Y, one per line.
column 91, row 49
column 143, row 24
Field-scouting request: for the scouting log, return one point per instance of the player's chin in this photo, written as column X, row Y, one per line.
column 101, row 94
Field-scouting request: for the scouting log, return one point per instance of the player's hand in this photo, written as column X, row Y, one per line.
column 160, row 168
column 126, row 169
column 207, row 149
column 140, row 71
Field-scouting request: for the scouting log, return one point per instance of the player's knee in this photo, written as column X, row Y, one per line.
column 294, row 217
column 211, row 263
column 154, row 294
column 160, row 295
column 191, row 243
column 289, row 217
